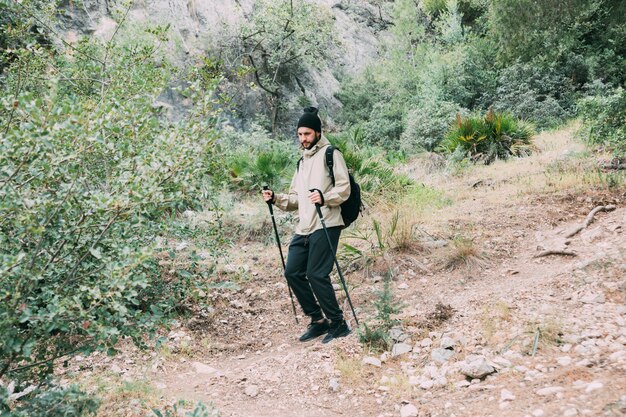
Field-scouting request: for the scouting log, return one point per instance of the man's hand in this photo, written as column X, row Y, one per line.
column 269, row 196
column 316, row 197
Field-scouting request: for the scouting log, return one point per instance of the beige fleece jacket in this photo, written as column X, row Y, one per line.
column 313, row 173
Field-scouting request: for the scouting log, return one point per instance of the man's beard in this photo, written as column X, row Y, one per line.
column 317, row 139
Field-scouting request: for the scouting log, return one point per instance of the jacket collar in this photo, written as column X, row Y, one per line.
column 319, row 145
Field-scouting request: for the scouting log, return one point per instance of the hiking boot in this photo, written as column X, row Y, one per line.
column 314, row 330
column 340, row 329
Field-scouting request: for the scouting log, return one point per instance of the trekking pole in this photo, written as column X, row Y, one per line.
column 280, row 249
column 343, row 281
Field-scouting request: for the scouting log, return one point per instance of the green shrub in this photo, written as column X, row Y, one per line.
column 494, row 136
column 377, row 336
column 532, row 92
column 385, row 125
column 89, row 178
column 272, row 165
column 368, row 164
column 604, row 120
column 51, row 401
column 426, row 125
column 253, row 159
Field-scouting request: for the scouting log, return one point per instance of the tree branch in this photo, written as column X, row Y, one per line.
column 258, row 78
column 45, row 361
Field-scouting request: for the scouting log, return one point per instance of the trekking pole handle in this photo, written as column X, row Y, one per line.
column 318, row 206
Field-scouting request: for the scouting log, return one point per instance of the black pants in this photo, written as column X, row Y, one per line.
column 309, row 264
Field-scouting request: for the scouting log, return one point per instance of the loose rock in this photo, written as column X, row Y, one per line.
column 372, row 361
column 252, row 391
column 408, row 410
column 400, row 349
column 477, row 367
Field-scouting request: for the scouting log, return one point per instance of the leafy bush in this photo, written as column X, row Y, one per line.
column 200, row 410
column 370, row 103
column 377, row 336
column 51, row 401
column 530, row 92
column 385, row 125
column 494, row 136
column 371, row 169
column 90, row 174
column 254, row 159
column 604, row 120
column 427, row 124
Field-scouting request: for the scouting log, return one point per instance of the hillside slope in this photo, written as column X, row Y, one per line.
column 542, row 334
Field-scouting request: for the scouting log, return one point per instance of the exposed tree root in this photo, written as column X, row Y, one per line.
column 589, row 219
column 555, row 252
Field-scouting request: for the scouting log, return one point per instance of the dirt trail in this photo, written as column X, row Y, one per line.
column 287, row 378
column 245, row 359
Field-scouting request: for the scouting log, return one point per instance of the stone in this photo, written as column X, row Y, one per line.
column 549, row 391
column 201, row 368
column 506, row 395
column 441, row 355
column 428, row 384
column 333, row 384
column 593, row 299
column 442, row 381
column 500, row 363
column 252, row 391
column 408, row 410
column 369, row 360
column 462, row 384
column 415, row 380
column 538, row 413
column 564, row 360
column 570, row 412
column 447, row 343
column 397, row 334
column 593, row 386
column 403, row 286
column 400, row 349
column 476, row 367
column 426, row 342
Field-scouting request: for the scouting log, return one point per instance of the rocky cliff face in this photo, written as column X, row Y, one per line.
column 210, row 27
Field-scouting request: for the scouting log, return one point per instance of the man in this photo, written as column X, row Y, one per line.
column 310, row 259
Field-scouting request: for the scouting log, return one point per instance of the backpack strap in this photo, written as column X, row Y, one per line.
column 330, row 162
column 298, row 164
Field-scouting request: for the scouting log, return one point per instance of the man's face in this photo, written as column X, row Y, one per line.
column 307, row 136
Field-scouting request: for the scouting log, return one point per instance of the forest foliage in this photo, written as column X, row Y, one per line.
column 533, row 60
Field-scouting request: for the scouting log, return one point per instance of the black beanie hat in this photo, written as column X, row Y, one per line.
column 310, row 119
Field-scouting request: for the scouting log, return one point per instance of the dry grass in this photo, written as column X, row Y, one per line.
column 548, row 329
column 463, row 253
column 398, row 386
column 351, row 370
column 123, row 397
column 493, row 316
column 517, row 179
